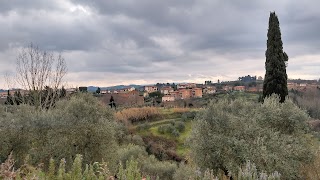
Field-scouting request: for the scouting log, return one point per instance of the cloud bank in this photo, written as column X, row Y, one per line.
column 141, row 41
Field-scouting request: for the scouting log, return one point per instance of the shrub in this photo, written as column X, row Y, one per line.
column 147, row 164
column 155, row 168
column 93, row 171
column 173, row 128
column 78, row 126
column 166, row 128
column 131, row 172
column 136, row 139
column 187, row 172
column 250, row 172
column 227, row 134
column 188, row 115
column 180, row 126
column 175, row 133
column 143, row 126
column 162, row 129
column 130, row 151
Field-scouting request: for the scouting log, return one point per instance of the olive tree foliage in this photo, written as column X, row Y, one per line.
column 272, row 135
column 148, row 165
column 80, row 125
column 41, row 74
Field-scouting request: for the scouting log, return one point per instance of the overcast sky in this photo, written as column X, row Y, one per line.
column 113, row 42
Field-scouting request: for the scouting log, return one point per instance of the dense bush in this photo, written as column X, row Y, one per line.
column 175, row 128
column 143, row 126
column 179, row 126
column 93, row 171
column 166, row 128
column 77, row 126
column 162, row 148
column 272, row 135
column 148, row 164
column 188, row 115
column 250, row 172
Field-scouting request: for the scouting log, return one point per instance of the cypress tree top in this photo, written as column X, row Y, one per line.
column 275, row 81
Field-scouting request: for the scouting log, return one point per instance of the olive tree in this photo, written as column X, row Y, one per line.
column 272, row 135
column 80, row 125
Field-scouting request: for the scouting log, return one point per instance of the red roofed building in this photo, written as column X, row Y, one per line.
column 166, row 90
column 197, row 92
column 239, row 88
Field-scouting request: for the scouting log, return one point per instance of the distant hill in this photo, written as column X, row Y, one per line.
column 121, row 87
column 2, row 90
column 94, row 88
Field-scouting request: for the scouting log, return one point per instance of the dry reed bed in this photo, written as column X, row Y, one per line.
column 132, row 115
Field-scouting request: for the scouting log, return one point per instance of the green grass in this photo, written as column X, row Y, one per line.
column 239, row 94
column 169, row 115
column 153, row 130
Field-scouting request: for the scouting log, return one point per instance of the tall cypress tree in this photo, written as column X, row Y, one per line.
column 275, row 80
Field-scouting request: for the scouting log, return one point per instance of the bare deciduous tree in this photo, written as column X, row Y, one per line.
column 41, row 74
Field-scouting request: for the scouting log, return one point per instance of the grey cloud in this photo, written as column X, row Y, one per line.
column 159, row 40
column 24, row 6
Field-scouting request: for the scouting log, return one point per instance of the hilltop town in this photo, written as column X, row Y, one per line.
column 171, row 94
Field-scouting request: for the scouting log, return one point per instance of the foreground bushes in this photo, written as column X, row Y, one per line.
column 148, row 165
column 77, row 126
column 27, row 171
column 273, row 135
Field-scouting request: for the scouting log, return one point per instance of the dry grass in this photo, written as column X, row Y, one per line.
column 7, row 169
column 132, row 115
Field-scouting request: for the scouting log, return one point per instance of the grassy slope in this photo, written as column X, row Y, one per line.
column 170, row 115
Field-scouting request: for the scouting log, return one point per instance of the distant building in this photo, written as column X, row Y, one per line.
column 103, row 91
column 227, row 88
column 209, row 90
column 186, row 85
column 4, row 94
column 166, row 90
column 185, row 93
column 176, row 95
column 83, row 89
column 151, row 89
column 124, row 90
column 239, row 88
column 253, row 89
column 131, row 98
column 71, row 90
column 197, row 92
column 248, row 79
column 166, row 98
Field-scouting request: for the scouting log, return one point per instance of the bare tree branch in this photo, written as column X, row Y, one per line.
column 41, row 74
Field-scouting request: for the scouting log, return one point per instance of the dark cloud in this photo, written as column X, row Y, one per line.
column 109, row 41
